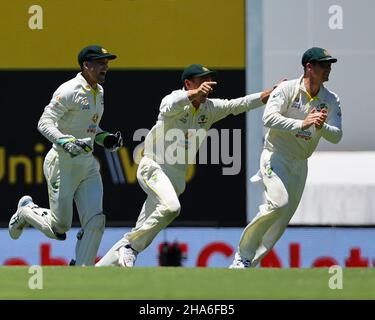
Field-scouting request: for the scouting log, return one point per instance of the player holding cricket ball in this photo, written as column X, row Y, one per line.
column 298, row 113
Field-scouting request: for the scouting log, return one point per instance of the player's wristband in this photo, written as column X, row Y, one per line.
column 99, row 138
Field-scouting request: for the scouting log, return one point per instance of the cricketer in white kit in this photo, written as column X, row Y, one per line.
column 188, row 112
column 71, row 122
column 298, row 113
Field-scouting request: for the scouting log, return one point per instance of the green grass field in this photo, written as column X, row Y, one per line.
column 185, row 283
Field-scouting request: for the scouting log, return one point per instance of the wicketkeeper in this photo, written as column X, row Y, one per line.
column 71, row 122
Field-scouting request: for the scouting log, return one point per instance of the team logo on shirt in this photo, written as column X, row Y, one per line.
column 184, row 118
column 202, row 119
column 95, row 118
column 83, row 101
column 296, row 103
column 321, row 106
column 275, row 95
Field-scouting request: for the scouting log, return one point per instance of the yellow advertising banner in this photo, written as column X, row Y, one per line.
column 145, row 34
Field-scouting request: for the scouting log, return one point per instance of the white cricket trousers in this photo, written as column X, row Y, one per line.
column 71, row 179
column 284, row 179
column 163, row 184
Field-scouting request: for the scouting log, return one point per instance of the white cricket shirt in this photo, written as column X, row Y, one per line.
column 285, row 111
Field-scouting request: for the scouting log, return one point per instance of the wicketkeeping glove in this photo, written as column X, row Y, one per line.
column 75, row 146
column 110, row 141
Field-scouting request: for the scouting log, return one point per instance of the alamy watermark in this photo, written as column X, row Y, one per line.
column 336, row 19
column 36, row 19
column 336, row 281
column 178, row 147
column 36, row 280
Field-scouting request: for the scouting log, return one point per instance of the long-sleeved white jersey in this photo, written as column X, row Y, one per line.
column 75, row 109
column 180, row 128
column 285, row 111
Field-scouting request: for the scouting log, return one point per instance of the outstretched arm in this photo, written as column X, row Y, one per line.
column 224, row 107
column 203, row 91
column 266, row 93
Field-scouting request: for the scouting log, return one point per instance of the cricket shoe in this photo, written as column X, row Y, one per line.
column 127, row 256
column 17, row 223
column 59, row 236
column 240, row 262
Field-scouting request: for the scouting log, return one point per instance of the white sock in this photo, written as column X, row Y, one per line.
column 111, row 258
